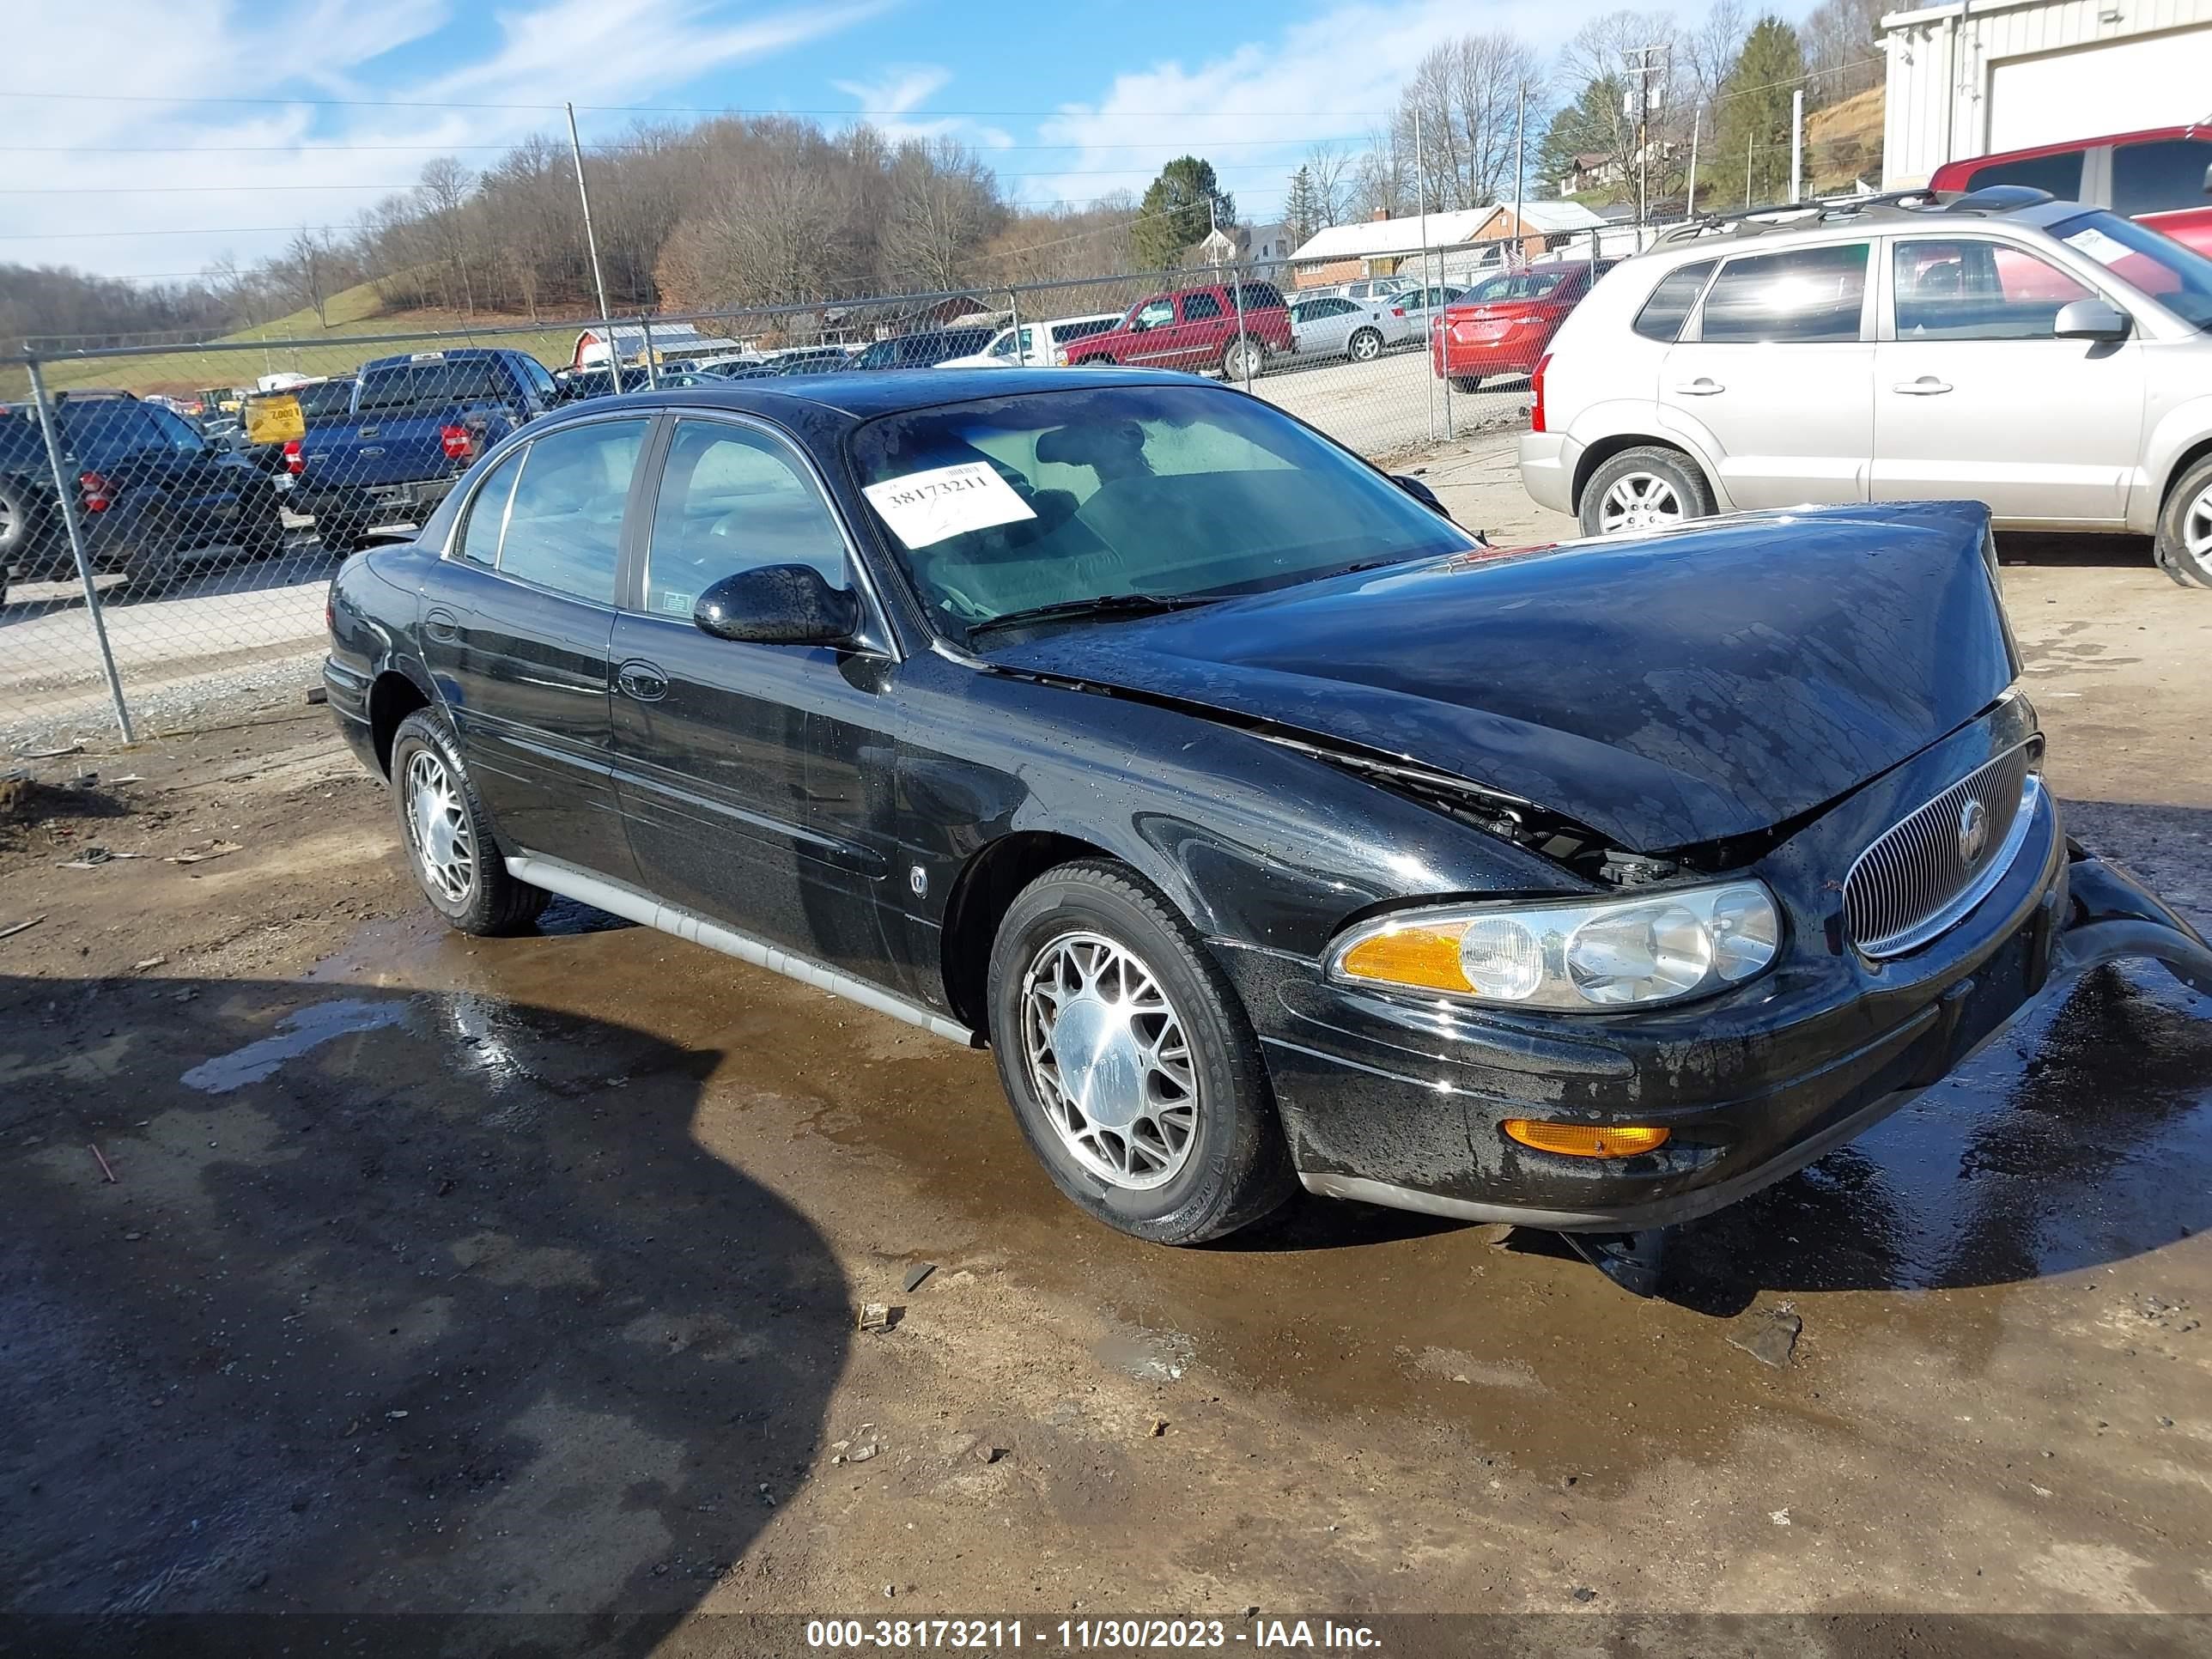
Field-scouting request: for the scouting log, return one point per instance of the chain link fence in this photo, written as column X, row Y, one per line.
column 170, row 515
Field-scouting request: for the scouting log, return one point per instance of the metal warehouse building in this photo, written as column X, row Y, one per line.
column 1968, row 79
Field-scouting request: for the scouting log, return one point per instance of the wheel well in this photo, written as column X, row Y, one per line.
column 988, row 885
column 392, row 699
column 2182, row 463
column 1606, row 448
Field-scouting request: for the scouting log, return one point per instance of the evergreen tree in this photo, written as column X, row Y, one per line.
column 1751, row 119
column 1302, row 206
column 1175, row 211
column 1596, row 124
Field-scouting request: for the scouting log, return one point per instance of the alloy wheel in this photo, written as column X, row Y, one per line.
column 438, row 828
column 2197, row 529
column 1366, row 348
column 1108, row 1059
column 1640, row 501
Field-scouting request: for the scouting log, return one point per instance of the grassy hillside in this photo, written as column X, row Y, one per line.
column 1844, row 143
column 331, row 350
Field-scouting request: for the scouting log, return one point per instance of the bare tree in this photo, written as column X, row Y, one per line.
column 1332, row 170
column 1709, row 50
column 444, row 188
column 1464, row 96
column 944, row 205
column 1383, row 184
column 308, row 273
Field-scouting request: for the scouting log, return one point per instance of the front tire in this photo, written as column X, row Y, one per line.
column 1645, row 488
column 1364, row 347
column 1129, row 1062
column 2184, row 546
column 456, row 859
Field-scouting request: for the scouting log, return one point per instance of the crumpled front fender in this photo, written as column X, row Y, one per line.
column 2115, row 916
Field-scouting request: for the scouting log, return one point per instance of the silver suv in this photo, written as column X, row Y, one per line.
column 2051, row 360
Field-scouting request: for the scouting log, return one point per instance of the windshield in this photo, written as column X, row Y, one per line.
column 2179, row 279
column 1172, row 492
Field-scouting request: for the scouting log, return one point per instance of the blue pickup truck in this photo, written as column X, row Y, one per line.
column 415, row 424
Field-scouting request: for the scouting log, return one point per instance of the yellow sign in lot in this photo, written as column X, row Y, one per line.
column 275, row 419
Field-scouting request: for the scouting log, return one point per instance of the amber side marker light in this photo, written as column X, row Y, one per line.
column 1588, row 1140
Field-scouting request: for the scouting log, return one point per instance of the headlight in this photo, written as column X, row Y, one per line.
column 1060, row 358
column 1586, row 955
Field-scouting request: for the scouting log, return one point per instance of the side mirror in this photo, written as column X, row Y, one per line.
column 1421, row 493
column 2091, row 319
column 777, row 605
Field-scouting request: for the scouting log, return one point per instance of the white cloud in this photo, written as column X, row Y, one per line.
column 899, row 90
column 181, row 183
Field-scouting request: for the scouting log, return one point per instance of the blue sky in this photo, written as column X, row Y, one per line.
column 136, row 175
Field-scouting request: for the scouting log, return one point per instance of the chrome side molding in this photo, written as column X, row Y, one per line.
column 613, row 897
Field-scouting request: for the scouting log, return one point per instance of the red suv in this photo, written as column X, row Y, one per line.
column 2157, row 177
column 1503, row 325
column 1195, row 328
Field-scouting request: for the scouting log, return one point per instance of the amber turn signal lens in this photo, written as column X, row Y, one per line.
column 1588, row 1140
column 1425, row 957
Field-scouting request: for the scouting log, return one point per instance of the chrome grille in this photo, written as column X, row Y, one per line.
column 1924, row 872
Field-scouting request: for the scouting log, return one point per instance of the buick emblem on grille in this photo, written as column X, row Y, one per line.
column 1973, row 832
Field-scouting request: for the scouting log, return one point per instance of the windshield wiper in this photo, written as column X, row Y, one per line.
column 1100, row 605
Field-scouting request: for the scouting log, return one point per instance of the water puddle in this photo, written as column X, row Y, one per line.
column 296, row 1034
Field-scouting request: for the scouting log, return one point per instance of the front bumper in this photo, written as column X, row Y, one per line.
column 1547, row 469
column 1398, row 1102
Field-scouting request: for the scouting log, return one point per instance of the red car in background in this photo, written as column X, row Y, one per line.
column 1505, row 324
column 2155, row 176
column 1195, row 329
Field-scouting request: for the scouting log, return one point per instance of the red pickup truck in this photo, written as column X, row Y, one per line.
column 2156, row 177
column 1194, row 328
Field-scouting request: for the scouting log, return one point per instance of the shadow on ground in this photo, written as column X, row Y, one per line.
column 395, row 1303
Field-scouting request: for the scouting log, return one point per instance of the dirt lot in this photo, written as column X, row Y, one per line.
column 520, row 1276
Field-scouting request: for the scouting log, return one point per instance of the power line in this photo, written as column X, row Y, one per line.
column 686, row 109
column 611, row 148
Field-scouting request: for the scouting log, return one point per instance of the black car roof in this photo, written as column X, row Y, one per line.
column 864, row 396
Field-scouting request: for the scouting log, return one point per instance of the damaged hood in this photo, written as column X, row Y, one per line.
column 1708, row 683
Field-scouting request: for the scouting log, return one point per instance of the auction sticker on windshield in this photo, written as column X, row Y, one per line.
column 923, row 508
column 2104, row 249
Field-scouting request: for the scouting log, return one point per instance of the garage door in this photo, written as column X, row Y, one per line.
column 2125, row 86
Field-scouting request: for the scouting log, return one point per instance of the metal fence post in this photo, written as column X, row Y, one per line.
column 67, row 495
column 652, row 372
column 1243, row 340
column 1014, row 309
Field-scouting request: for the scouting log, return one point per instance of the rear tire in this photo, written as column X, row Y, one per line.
column 157, row 557
column 1364, row 346
column 2184, row 545
column 1131, row 1066
column 1467, row 383
column 1645, row 488
column 1245, row 358
column 456, row 861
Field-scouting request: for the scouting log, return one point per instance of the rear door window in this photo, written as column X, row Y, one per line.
column 1809, row 296
column 2161, row 177
column 564, row 519
column 1198, row 307
column 2060, row 174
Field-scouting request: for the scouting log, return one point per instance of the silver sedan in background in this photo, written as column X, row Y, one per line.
column 1333, row 326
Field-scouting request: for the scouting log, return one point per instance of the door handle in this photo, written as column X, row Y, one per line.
column 441, row 624
column 642, row 680
column 1700, row 387
column 1926, row 386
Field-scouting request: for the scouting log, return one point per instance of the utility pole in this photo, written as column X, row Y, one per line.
column 1643, row 62
column 1797, row 145
column 591, row 238
column 1690, row 206
column 1520, row 172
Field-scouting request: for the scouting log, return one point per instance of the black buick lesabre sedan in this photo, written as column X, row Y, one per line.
column 1269, row 827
